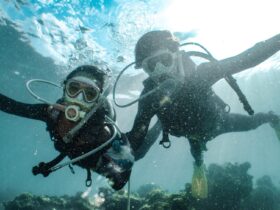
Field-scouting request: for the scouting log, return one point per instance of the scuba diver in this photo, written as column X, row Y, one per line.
column 190, row 107
column 82, row 126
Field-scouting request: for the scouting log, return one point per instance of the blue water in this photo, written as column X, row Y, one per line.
column 46, row 39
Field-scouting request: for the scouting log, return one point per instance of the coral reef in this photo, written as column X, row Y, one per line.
column 230, row 188
column 228, row 185
column 265, row 197
column 28, row 201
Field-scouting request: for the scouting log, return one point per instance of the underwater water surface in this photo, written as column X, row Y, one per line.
column 46, row 39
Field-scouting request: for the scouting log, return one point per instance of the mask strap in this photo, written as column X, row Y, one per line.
column 107, row 90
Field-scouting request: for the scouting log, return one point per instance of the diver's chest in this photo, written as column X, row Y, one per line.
column 176, row 112
column 185, row 109
column 180, row 104
column 89, row 133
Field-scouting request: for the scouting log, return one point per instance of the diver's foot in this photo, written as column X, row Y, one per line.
column 199, row 182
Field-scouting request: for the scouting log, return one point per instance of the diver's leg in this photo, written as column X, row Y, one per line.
column 199, row 187
column 238, row 122
column 197, row 151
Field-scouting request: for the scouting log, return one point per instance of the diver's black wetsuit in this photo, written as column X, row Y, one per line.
column 93, row 133
column 194, row 110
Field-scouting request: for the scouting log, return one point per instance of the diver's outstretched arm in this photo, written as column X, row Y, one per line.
column 214, row 71
column 142, row 121
column 149, row 140
column 32, row 111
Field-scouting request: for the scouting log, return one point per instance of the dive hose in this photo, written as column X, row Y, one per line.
column 229, row 78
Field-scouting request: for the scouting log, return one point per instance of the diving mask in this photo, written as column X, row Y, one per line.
column 162, row 61
column 82, row 94
column 89, row 89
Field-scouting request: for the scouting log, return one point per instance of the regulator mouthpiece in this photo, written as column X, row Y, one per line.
column 74, row 113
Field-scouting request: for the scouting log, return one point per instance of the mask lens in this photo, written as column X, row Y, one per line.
column 91, row 94
column 73, row 88
column 165, row 58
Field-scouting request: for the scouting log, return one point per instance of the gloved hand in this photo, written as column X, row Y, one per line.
column 116, row 163
column 42, row 168
column 120, row 155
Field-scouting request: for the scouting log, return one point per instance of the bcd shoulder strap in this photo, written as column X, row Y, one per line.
column 229, row 78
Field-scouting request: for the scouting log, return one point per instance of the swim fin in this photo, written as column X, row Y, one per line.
column 276, row 128
column 199, row 182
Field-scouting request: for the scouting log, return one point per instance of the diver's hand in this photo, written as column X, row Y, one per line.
column 42, row 168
